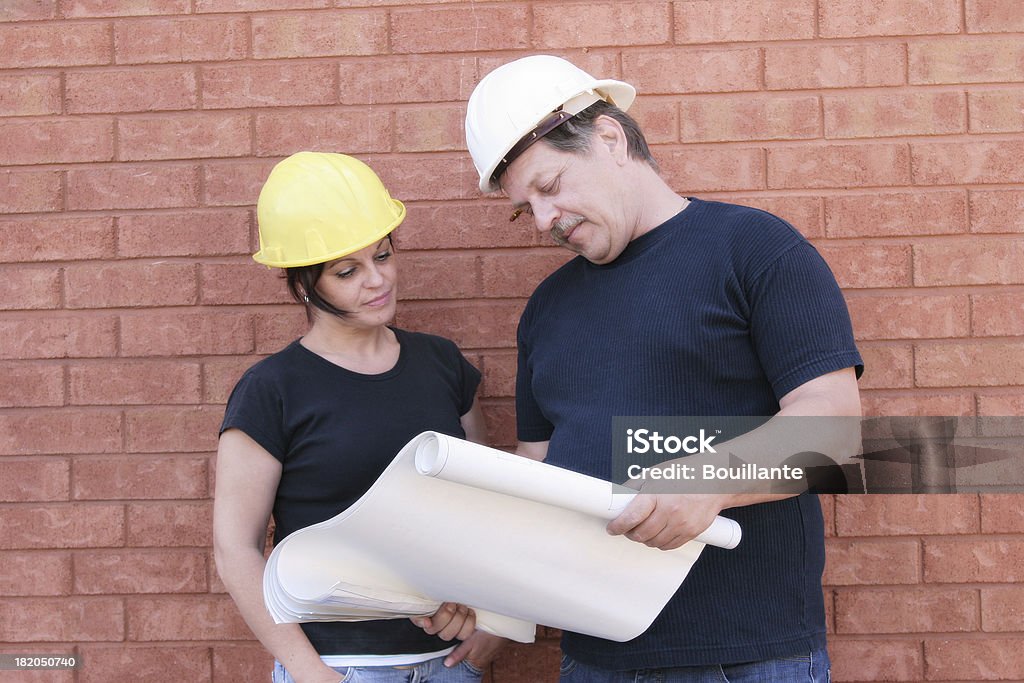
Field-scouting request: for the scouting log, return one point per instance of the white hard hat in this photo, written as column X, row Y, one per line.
column 513, row 101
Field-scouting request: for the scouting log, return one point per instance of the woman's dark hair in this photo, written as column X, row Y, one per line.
column 574, row 135
column 302, row 285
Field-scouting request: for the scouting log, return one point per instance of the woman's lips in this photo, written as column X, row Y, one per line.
column 380, row 300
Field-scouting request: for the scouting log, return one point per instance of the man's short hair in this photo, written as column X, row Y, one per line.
column 574, row 135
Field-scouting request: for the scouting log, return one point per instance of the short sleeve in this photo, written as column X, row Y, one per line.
column 469, row 382
column 254, row 407
column 799, row 322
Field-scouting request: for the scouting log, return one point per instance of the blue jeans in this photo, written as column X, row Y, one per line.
column 430, row 671
column 812, row 667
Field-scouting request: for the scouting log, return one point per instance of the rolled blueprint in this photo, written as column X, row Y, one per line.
column 486, row 468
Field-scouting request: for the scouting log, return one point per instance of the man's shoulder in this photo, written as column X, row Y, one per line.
column 747, row 221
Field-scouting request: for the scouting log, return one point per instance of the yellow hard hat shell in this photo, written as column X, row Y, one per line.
column 318, row 206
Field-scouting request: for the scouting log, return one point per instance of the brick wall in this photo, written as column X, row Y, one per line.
column 134, row 136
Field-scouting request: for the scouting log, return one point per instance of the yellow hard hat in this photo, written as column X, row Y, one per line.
column 316, row 207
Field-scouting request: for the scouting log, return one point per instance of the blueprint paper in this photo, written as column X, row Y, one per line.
column 414, row 541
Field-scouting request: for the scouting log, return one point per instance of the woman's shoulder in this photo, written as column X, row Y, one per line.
column 424, row 340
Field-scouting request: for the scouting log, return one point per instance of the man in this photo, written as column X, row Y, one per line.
column 674, row 306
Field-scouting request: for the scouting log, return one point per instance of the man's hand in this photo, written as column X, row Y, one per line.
column 667, row 520
column 450, row 622
column 479, row 649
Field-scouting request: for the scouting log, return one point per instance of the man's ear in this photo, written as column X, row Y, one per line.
column 609, row 132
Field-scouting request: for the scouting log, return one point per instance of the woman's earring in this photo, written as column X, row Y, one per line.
column 305, row 298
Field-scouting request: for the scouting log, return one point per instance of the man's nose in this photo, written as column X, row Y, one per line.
column 545, row 215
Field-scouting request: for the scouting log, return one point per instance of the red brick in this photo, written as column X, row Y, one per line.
column 838, row 165
column 57, row 238
column 60, row 432
column 29, row 94
column 1001, row 514
column 599, row 23
column 195, row 233
column 471, row 325
column 866, row 562
column 886, row 367
column 969, row 364
column 430, row 129
column 997, row 111
column 28, row 10
column 500, row 418
column 658, row 119
column 129, row 90
column 41, row 620
column 242, row 283
column 599, row 63
column 517, row 274
column 905, row 514
column 24, row 384
column 966, row 60
column 117, row 382
column 173, row 524
column 974, row 660
column 173, row 430
column 803, row 213
column 54, row 44
column 449, row 225
column 411, row 178
column 56, row 141
column 1000, row 404
column 221, row 374
column 127, row 662
column 185, row 618
column 876, row 660
column 36, row 573
column 126, row 571
column 136, row 477
column 131, row 283
column 499, row 371
column 433, row 275
column 906, row 610
column 407, row 79
column 62, row 526
column 978, row 261
column 192, row 39
column 687, row 70
column 870, row 265
column 709, row 169
column 896, row 213
column 241, row 662
column 122, row 8
column 29, row 287
column 319, row 34
column 997, row 315
column 38, row 479
column 997, row 210
column 477, row 28
column 355, row 131
column 834, row 66
column 184, row 136
column 878, row 403
column 29, row 191
column 267, row 85
column 234, row 183
column 732, row 117
column 204, row 6
column 960, row 163
column 119, row 186
column 1002, row 609
column 910, row 317
column 729, row 21
column 994, row 16
column 180, row 333
column 58, row 337
column 277, row 329
column 891, row 18
column 974, row 561
column 873, row 115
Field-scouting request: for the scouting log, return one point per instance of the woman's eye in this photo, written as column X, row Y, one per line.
column 383, row 256
column 348, row 272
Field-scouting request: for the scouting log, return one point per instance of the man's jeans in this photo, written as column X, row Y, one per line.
column 430, row 671
column 812, row 667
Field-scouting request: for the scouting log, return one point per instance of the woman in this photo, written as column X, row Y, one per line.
column 309, row 429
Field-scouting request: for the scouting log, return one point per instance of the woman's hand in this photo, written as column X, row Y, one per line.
column 451, row 621
column 479, row 649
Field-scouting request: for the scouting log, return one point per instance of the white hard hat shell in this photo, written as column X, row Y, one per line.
column 510, row 101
